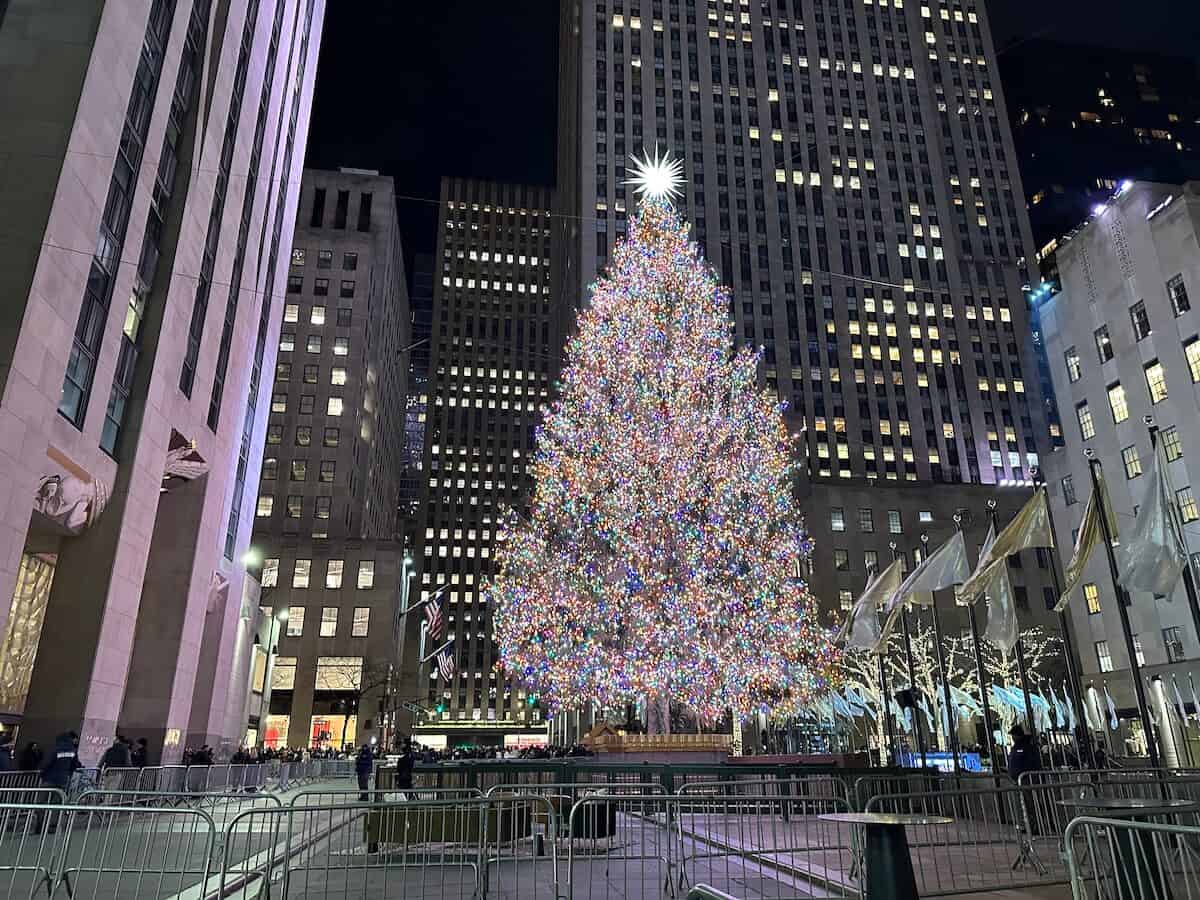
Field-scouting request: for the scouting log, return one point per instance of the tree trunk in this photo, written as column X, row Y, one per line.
column 658, row 714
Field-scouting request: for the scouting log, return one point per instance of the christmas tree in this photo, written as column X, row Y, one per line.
column 661, row 555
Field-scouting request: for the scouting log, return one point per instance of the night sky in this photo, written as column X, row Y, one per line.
column 467, row 87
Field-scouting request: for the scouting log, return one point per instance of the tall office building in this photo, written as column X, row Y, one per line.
column 1122, row 339
column 1085, row 119
column 326, row 521
column 850, row 174
column 490, row 373
column 151, row 151
column 412, row 486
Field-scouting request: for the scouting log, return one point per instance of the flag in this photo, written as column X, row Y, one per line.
column 1114, row 721
column 945, row 567
column 1070, row 708
column 965, row 700
column 1001, row 629
column 1029, row 528
column 1041, row 710
column 1091, row 709
column 1180, row 707
column 445, row 663
column 434, row 622
column 1089, row 537
column 1060, row 710
column 1152, row 702
column 1154, row 556
column 861, row 628
column 1195, row 700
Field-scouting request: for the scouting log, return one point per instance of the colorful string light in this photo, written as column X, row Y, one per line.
column 662, row 550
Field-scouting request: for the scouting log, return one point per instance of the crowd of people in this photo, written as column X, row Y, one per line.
column 453, row 754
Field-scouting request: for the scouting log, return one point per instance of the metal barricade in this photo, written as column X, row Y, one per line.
column 821, row 787
column 345, row 796
column 1174, row 787
column 646, row 847
column 1116, row 859
column 454, row 848
column 994, row 842
column 123, row 779
column 868, row 786
column 103, row 852
column 777, row 843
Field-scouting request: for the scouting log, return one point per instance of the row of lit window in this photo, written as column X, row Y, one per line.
column 487, row 208
column 334, row 570
column 291, row 314
column 334, row 406
column 359, row 625
column 1172, row 643
column 295, row 506
column 521, row 287
column 311, row 374
column 313, row 344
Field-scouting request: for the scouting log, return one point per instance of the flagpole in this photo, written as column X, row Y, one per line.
column 951, row 729
column 1122, row 602
column 886, row 710
column 912, row 678
column 1074, row 680
column 989, row 743
column 885, row 706
column 1189, row 581
column 1022, row 674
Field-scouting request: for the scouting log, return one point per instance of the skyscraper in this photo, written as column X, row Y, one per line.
column 490, row 371
column 850, row 174
column 1085, row 119
column 326, row 521
column 151, row 156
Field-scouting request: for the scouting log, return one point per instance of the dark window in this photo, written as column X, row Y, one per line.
column 332, row 435
column 364, row 212
column 1179, row 301
column 347, row 292
column 324, row 259
column 328, row 470
column 295, row 284
column 270, row 469
column 1140, row 320
column 318, row 209
column 307, row 402
column 299, row 470
column 303, row 435
column 321, row 287
column 283, row 371
column 344, row 315
column 349, row 261
column 311, row 373
column 340, row 211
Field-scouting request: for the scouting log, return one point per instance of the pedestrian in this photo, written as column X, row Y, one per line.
column 60, row 768
column 140, row 753
column 404, row 766
column 1022, row 758
column 116, row 756
column 363, row 767
column 6, row 752
column 31, row 757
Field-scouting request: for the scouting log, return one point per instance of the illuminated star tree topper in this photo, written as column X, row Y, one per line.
column 661, row 553
column 658, row 178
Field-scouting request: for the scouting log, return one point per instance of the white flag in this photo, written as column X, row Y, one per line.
column 1114, row 721
column 1195, row 699
column 1180, row 707
column 1091, row 709
column 861, row 628
column 1001, row 628
column 1089, row 537
column 1154, row 556
column 1029, row 528
column 945, row 567
column 1070, row 704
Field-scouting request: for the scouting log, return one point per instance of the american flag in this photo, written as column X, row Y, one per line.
column 433, row 618
column 445, row 664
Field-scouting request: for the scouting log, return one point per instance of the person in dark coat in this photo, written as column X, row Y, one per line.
column 116, row 756
column 404, row 766
column 6, row 752
column 139, row 754
column 62, row 763
column 31, row 757
column 1024, row 757
column 364, row 763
